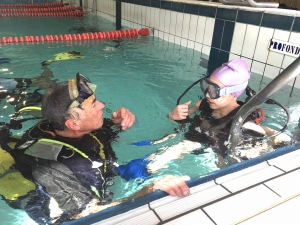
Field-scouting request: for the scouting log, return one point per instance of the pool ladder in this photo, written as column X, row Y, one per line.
column 250, row 3
column 292, row 71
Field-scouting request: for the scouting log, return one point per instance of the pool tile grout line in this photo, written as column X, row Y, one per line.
column 279, row 168
column 153, row 210
column 226, row 188
column 190, row 211
column 272, row 190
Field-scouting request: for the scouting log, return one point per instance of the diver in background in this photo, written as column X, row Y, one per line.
column 69, row 158
column 16, row 90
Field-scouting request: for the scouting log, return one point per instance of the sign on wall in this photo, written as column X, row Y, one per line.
column 284, row 47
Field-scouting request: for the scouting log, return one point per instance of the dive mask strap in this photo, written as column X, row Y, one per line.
column 231, row 89
column 80, row 88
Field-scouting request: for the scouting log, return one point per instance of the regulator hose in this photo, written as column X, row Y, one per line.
column 192, row 85
column 272, row 101
column 250, row 93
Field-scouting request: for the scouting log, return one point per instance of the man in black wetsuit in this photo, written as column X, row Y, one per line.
column 69, row 158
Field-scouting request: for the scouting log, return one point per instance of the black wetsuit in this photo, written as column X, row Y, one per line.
column 70, row 179
column 213, row 132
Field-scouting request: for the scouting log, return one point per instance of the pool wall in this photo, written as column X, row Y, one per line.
column 219, row 31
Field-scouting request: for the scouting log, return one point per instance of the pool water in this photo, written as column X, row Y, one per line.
column 145, row 74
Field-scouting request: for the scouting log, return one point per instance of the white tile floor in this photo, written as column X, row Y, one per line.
column 267, row 193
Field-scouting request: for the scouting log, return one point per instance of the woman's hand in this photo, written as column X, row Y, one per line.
column 124, row 117
column 181, row 112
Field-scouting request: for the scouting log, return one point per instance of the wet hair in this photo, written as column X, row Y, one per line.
column 55, row 104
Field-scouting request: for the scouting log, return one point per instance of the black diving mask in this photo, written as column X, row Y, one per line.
column 80, row 89
column 215, row 91
column 212, row 89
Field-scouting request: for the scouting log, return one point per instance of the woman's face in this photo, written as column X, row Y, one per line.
column 222, row 101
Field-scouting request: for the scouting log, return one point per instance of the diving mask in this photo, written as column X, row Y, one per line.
column 215, row 91
column 80, row 89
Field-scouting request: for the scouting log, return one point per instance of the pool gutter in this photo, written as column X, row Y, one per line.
column 142, row 205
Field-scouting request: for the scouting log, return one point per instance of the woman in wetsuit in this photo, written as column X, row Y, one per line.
column 211, row 125
column 217, row 109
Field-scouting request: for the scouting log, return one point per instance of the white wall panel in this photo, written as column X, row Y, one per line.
column 261, row 49
column 250, row 41
column 209, row 30
column 238, row 38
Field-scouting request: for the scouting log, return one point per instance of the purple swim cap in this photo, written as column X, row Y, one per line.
column 232, row 73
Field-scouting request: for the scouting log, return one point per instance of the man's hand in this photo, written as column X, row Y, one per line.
column 124, row 117
column 174, row 186
column 181, row 112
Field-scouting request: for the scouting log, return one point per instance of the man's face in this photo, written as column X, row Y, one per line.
column 91, row 114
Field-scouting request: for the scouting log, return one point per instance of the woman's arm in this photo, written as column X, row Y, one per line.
column 267, row 132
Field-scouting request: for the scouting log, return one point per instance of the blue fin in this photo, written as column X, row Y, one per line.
column 136, row 168
column 143, row 143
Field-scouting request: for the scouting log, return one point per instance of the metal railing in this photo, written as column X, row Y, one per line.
column 263, row 95
column 251, row 3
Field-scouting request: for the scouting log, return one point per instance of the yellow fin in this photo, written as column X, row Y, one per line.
column 14, row 185
column 6, row 161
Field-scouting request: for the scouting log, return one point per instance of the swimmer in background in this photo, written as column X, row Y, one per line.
column 211, row 126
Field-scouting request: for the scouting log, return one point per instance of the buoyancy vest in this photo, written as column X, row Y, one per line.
column 69, row 177
column 207, row 130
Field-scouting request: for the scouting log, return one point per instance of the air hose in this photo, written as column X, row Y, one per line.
column 192, row 85
column 250, row 93
column 272, row 101
column 17, row 124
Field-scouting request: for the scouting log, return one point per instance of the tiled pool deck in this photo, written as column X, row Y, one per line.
column 264, row 190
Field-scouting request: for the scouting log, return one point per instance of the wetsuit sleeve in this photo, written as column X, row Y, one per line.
column 37, row 206
column 61, row 184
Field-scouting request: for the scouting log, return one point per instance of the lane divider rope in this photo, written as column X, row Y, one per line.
column 44, row 14
column 42, row 5
column 73, row 37
column 43, row 9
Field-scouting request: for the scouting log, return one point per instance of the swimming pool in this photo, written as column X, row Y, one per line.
column 147, row 75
